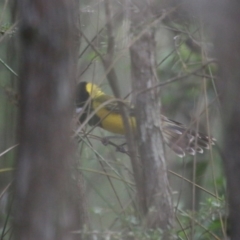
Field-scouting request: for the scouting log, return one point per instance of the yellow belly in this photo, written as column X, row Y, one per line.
column 113, row 122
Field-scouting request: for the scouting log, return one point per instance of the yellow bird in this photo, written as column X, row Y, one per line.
column 91, row 99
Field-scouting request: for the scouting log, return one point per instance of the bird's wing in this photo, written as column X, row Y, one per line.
column 112, row 106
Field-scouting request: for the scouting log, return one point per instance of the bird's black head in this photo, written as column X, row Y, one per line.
column 81, row 95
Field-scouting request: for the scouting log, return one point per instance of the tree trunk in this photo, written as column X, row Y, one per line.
column 158, row 207
column 44, row 208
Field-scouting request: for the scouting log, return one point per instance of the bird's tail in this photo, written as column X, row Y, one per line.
column 184, row 141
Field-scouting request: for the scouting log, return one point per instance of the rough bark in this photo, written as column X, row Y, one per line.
column 43, row 208
column 158, row 207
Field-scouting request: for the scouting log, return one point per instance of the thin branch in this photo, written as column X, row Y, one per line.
column 7, row 150
column 9, row 68
column 174, row 79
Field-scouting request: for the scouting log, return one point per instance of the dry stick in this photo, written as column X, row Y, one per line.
column 86, row 68
column 105, row 171
column 85, row 49
column 205, row 76
column 183, row 230
column 194, row 169
column 94, row 38
column 5, row 189
column 198, row 223
column 109, row 178
column 208, row 129
column 8, row 68
column 174, row 79
column 110, row 181
column 105, row 174
column 102, row 159
column 208, row 126
column 92, row 46
column 7, row 150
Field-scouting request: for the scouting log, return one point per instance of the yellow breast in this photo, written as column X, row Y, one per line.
column 113, row 122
